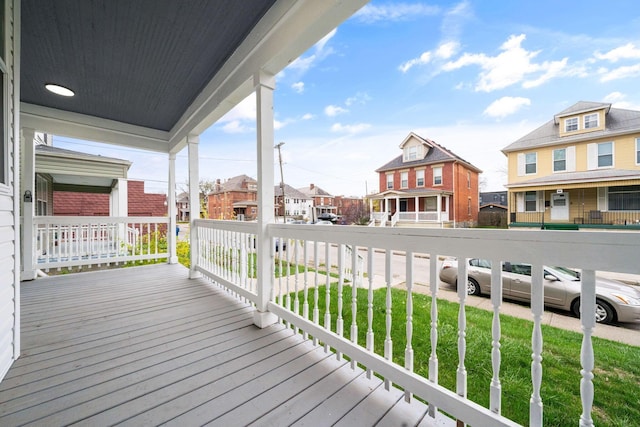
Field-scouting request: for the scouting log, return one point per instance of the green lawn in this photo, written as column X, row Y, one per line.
column 617, row 371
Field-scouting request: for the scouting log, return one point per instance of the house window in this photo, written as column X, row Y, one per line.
column 530, row 201
column 605, row 154
column 404, row 179
column 624, row 198
column 468, row 179
column 530, row 161
column 389, row 181
column 431, row 204
column 637, row 151
column 469, row 206
column 560, row 160
column 571, row 124
column 411, row 153
column 591, row 121
column 420, row 178
column 42, row 195
column 437, row 176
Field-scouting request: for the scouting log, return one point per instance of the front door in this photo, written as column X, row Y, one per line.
column 403, row 205
column 560, row 207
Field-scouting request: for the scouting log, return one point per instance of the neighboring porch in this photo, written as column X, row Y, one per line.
column 411, row 208
column 605, row 207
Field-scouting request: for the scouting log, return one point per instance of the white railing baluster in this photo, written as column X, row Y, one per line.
column 433, row 358
column 354, row 299
column 587, row 359
column 305, row 302
column 408, row 351
column 537, row 308
column 370, row 334
column 316, row 294
column 327, row 290
column 388, row 342
column 461, row 372
column 340, row 319
column 496, row 300
column 295, row 261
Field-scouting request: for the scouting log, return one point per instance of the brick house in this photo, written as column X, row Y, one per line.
column 234, row 199
column 71, row 203
column 427, row 184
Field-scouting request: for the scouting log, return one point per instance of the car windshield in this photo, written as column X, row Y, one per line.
column 566, row 273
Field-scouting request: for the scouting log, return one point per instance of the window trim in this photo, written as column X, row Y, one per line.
column 434, row 169
column 418, row 173
column 584, row 121
column 637, row 151
column 571, row 119
column 553, row 160
column 598, row 145
column 535, row 163
column 404, row 179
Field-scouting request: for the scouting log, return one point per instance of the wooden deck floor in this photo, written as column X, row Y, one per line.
column 148, row 346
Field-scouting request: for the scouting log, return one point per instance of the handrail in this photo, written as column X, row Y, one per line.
column 309, row 259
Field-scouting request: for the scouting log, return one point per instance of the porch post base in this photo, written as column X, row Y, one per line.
column 172, row 260
column 28, row 275
column 193, row 274
column 262, row 319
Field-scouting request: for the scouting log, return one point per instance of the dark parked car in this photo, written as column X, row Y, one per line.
column 615, row 301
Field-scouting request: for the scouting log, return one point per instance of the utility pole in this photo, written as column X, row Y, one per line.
column 284, row 204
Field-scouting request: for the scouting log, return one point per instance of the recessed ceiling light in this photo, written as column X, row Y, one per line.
column 59, row 90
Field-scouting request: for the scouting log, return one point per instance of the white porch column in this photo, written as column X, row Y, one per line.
column 439, row 207
column 171, row 211
column 264, row 84
column 28, row 187
column 371, row 216
column 118, row 199
column 416, row 205
column 397, row 204
column 194, row 201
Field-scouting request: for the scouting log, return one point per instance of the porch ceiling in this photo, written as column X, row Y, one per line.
column 150, row 72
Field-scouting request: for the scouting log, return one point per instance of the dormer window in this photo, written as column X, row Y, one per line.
column 591, row 121
column 571, row 124
column 411, row 153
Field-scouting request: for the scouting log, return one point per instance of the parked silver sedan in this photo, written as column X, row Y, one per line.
column 615, row 301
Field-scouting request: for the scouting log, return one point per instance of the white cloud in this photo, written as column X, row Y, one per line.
column 506, row 106
column 619, row 73
column 298, row 87
column 320, row 51
column 511, row 66
column 308, row 116
column 235, row 126
column 371, row 14
column 245, row 110
column 628, row 51
column 619, row 100
column 447, row 49
column 334, row 110
column 358, row 98
column 423, row 59
column 351, row 129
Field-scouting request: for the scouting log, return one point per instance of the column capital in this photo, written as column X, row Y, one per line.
column 193, row 138
column 262, row 78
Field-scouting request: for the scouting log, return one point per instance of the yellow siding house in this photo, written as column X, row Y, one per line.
column 579, row 170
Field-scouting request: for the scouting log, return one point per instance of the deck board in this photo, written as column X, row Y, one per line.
column 148, row 346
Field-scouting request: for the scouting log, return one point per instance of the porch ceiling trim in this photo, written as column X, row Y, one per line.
column 573, row 186
column 422, row 193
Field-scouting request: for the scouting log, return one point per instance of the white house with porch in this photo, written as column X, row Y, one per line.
column 228, row 341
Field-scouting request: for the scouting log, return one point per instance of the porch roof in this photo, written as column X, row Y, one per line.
column 414, row 192
column 582, row 179
column 150, row 72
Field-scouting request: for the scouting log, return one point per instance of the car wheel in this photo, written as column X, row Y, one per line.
column 604, row 312
column 473, row 288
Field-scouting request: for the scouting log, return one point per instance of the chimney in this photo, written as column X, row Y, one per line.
column 311, row 187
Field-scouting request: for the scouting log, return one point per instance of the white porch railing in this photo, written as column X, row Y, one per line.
column 394, row 219
column 227, row 256
column 77, row 241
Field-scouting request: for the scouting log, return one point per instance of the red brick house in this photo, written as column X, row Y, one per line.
column 427, row 184
column 70, row 203
column 234, row 199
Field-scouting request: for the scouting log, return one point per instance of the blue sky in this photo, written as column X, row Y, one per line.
column 473, row 76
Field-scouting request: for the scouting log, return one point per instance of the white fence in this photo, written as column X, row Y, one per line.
column 314, row 266
column 76, row 241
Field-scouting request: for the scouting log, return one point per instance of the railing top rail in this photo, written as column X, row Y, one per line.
column 74, row 220
column 242, row 226
column 611, row 251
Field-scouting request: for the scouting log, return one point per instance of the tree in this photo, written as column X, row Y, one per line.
column 205, row 186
